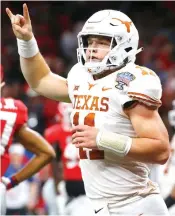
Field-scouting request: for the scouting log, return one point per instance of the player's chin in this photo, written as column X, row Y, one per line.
column 93, row 60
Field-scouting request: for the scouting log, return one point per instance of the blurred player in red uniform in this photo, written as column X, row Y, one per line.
column 13, row 117
column 67, row 159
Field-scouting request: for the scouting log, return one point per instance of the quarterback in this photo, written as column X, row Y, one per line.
column 116, row 125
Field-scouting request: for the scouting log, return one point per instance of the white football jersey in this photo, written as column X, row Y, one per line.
column 99, row 103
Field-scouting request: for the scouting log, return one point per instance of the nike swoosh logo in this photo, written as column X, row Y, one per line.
column 96, row 211
column 105, row 89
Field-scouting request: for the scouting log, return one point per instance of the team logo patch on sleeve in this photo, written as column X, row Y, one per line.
column 123, row 79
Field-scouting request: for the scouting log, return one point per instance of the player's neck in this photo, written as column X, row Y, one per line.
column 106, row 73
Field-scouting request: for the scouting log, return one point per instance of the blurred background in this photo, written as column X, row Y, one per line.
column 55, row 25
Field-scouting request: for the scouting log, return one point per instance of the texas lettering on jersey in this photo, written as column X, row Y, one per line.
column 89, row 102
column 13, row 115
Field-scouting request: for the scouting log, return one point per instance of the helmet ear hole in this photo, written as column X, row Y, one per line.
column 125, row 61
column 128, row 49
column 82, row 59
column 108, row 61
column 114, row 43
column 85, row 41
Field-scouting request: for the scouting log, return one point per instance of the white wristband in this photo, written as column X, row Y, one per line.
column 27, row 49
column 120, row 144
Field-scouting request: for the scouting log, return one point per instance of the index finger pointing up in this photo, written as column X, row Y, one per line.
column 9, row 13
column 26, row 13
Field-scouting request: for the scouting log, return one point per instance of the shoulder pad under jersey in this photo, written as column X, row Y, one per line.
column 74, row 72
column 146, row 87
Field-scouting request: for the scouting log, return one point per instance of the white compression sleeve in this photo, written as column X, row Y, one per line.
column 119, row 144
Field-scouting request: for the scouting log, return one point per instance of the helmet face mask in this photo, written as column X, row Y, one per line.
column 124, row 40
column 90, row 57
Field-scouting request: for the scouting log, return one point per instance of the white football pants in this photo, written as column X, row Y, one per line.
column 79, row 206
column 54, row 202
column 150, row 205
column 49, row 196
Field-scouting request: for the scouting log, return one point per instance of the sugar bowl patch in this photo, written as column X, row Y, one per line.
column 123, row 79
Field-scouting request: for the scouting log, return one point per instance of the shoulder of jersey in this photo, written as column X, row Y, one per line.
column 21, row 106
column 17, row 103
column 145, row 85
column 76, row 71
column 143, row 72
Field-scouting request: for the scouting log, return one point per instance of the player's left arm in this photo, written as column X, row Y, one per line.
column 152, row 144
column 35, row 143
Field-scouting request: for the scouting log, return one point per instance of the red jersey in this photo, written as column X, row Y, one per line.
column 13, row 114
column 56, row 134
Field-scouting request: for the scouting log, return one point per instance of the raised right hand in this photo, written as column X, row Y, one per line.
column 21, row 25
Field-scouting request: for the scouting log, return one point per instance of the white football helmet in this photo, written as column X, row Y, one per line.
column 124, row 40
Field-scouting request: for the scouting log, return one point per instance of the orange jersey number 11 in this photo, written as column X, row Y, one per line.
column 93, row 154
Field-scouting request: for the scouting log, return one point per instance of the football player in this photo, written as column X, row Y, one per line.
column 13, row 118
column 115, row 118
